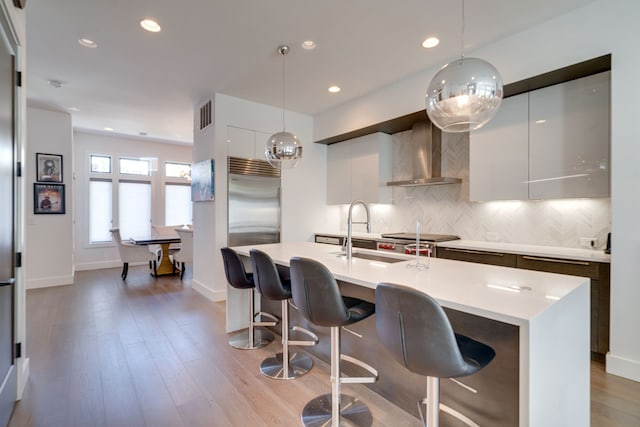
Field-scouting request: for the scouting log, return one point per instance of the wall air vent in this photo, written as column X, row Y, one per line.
column 255, row 167
column 205, row 115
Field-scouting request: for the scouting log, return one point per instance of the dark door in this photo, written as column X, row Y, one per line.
column 7, row 247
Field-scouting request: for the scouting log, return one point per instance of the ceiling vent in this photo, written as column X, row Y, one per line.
column 205, row 115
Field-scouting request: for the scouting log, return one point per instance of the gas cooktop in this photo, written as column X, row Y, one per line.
column 424, row 237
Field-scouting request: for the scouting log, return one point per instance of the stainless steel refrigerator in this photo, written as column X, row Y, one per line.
column 254, row 202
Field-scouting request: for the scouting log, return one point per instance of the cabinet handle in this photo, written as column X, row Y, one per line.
column 11, row 281
column 470, row 251
column 560, row 261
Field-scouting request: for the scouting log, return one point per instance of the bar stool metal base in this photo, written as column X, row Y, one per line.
column 353, row 412
column 299, row 364
column 241, row 340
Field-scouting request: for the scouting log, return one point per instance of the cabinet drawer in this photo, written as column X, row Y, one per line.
column 330, row 240
column 482, row 257
column 561, row 266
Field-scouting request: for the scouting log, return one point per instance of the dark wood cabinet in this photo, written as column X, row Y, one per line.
column 481, row 257
column 598, row 272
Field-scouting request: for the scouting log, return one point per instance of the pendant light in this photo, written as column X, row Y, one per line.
column 283, row 149
column 465, row 94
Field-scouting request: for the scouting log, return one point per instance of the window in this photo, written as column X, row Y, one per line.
column 122, row 193
column 177, row 204
column 100, row 209
column 134, row 209
column 135, row 166
column 177, row 170
column 100, row 164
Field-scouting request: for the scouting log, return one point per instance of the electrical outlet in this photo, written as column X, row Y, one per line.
column 588, row 242
column 492, row 236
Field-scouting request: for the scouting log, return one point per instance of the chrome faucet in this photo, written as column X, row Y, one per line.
column 348, row 245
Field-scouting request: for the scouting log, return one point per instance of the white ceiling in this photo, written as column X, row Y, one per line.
column 137, row 81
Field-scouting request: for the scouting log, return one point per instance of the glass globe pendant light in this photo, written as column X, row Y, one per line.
column 283, row 149
column 465, row 94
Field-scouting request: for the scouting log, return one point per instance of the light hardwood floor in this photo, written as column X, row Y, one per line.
column 152, row 352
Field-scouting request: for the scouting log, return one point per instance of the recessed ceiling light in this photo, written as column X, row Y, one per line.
column 88, row 43
column 150, row 25
column 334, row 89
column 431, row 42
column 55, row 83
column 309, row 44
column 109, row 129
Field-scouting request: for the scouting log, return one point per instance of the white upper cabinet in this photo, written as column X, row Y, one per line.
column 498, row 169
column 550, row 143
column 339, row 173
column 359, row 169
column 569, row 139
column 246, row 143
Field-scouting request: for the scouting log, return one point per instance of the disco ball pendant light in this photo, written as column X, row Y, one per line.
column 283, row 149
column 465, row 94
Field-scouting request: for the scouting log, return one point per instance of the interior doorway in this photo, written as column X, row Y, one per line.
column 7, row 226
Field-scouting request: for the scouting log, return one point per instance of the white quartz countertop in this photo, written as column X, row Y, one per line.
column 509, row 295
column 595, row 255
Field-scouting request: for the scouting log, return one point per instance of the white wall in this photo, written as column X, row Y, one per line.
column 49, row 238
column 88, row 257
column 303, row 188
column 602, row 27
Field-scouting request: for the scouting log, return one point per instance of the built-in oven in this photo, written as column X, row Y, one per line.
column 406, row 243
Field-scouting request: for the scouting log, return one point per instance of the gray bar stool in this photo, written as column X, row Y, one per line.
column 417, row 332
column 238, row 278
column 273, row 286
column 317, row 296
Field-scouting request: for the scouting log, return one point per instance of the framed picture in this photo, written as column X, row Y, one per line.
column 49, row 167
column 202, row 181
column 48, row 198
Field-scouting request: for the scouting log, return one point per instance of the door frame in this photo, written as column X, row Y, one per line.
column 12, row 30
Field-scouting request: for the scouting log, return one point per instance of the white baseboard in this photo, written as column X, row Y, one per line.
column 23, row 368
column 49, row 282
column 622, row 367
column 209, row 293
column 98, row 265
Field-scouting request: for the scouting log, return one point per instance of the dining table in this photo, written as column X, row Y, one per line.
column 165, row 266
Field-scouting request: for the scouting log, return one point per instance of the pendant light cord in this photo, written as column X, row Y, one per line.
column 283, row 89
column 462, row 35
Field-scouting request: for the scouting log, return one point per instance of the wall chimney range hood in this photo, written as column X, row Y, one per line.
column 426, row 154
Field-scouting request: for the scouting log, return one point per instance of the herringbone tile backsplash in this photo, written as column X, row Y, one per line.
column 445, row 209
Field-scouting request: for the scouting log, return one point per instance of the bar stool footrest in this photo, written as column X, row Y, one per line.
column 360, row 363
column 314, row 337
column 273, row 322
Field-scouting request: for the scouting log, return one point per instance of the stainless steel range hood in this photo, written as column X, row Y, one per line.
column 426, row 153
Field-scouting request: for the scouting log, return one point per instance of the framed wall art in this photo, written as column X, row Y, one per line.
column 48, row 198
column 202, row 181
column 49, row 167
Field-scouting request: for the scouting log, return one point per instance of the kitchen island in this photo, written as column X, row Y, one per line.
column 538, row 323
